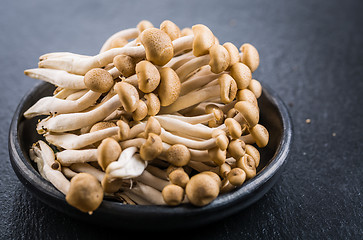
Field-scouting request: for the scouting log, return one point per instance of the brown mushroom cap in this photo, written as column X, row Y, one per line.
column 249, row 111
column 85, row 193
column 158, row 46
column 255, row 87
column 237, row 148
column 124, row 129
column 173, row 194
column 215, row 177
column 254, row 153
column 224, row 170
column 148, row 77
column 178, row 155
column 169, row 87
column 217, row 155
column 260, row 134
column 234, row 128
column 202, row 189
column 141, row 111
column 152, row 126
column 250, row 56
column 172, row 168
column 151, row 148
column 222, row 141
column 218, row 115
column 219, row 58
column 128, row 95
column 179, row 177
column 152, row 103
column 241, row 74
column 246, row 95
column 186, row 32
column 101, row 125
column 125, row 64
column 248, row 165
column 118, row 42
column 108, row 151
column 144, row 24
column 236, row 176
column 111, row 185
column 228, row 88
column 203, row 40
column 233, row 53
column 98, row 80
column 171, row 29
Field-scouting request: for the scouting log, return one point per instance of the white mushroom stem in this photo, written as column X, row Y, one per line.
column 71, row 141
column 191, row 66
column 86, row 168
column 81, row 65
column 192, row 98
column 53, row 105
column 156, row 172
column 148, row 193
column 178, row 61
column 248, row 139
column 192, row 120
column 60, row 54
column 68, row 172
column 197, row 82
column 74, row 121
column 44, row 157
column 151, row 180
column 127, row 34
column 115, row 115
column 68, row 157
column 64, row 93
column 77, row 95
column 136, row 199
column 201, row 167
column 136, row 130
column 56, row 77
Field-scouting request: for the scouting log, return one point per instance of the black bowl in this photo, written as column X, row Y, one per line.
column 274, row 116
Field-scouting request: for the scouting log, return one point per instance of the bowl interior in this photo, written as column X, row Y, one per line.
column 273, row 115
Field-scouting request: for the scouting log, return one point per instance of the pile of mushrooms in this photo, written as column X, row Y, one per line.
column 159, row 116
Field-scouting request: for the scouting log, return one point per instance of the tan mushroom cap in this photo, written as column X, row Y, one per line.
column 203, row 40
column 202, row 189
column 101, row 125
column 255, row 87
column 124, row 129
column 236, row 176
column 217, row 155
column 254, row 153
column 98, row 80
column 186, row 32
column 152, row 148
column 218, row 115
column 260, row 134
column 249, row 111
column 108, row 151
column 128, row 95
column 141, row 111
column 215, row 177
column 152, row 103
column 152, row 126
column 234, row 128
column 224, row 169
column 144, row 24
column 125, row 64
column 118, row 42
column 178, row 155
column 222, row 141
column 171, row 29
column 250, row 56
column 110, row 185
column 169, row 87
column 85, row 193
column 148, row 77
column 179, row 177
column 228, row 88
column 173, row 194
column 246, row 95
column 233, row 53
column 158, row 46
column 219, row 58
column 241, row 74
column 172, row 168
column 237, row 148
column 248, row 165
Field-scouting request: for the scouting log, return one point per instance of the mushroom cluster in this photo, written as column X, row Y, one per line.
column 159, row 116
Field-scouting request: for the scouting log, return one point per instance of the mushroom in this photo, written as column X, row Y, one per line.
column 68, row 157
column 152, row 103
column 125, row 64
column 236, row 176
column 158, row 46
column 178, row 155
column 173, row 195
column 85, row 193
column 151, row 148
column 87, row 168
column 143, row 25
column 179, row 177
column 260, row 134
column 202, row 189
column 233, row 53
column 141, row 111
column 248, row 165
column 148, row 76
column 169, row 88
column 107, row 152
column 124, row 34
column 153, row 181
column 254, row 153
column 246, row 95
column 241, row 74
column 234, row 128
column 255, row 87
column 237, row 148
column 250, row 56
column 150, row 194
column 249, row 111
column 171, row 29
column 128, row 95
column 203, row 39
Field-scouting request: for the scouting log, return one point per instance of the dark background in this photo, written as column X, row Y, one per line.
column 311, row 55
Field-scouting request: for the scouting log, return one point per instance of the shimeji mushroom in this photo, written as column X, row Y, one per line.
column 250, row 56
column 123, row 34
column 151, row 126
column 173, row 195
column 107, row 152
column 171, row 29
column 241, row 74
column 197, row 82
column 169, row 87
column 248, row 165
column 153, row 181
column 68, row 157
column 148, row 76
column 255, row 87
column 145, row 192
column 236, row 176
column 179, row 177
column 87, row 168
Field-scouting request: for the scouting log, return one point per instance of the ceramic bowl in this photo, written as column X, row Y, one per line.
column 274, row 116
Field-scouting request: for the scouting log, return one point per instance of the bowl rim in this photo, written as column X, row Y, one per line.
column 32, row 177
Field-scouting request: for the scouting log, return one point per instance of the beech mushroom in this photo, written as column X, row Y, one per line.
column 254, row 153
column 169, row 88
column 203, row 39
column 68, row 157
column 148, row 76
column 237, row 148
column 179, row 177
column 249, row 111
column 128, row 95
column 171, row 29
column 248, row 165
column 108, row 151
column 125, row 64
column 233, row 53
column 123, row 34
column 250, row 56
column 260, row 134
column 202, row 189
column 236, row 176
column 173, row 195
column 241, row 74
column 255, row 87
column 178, row 155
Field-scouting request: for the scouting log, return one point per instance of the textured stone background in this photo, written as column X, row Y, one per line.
column 311, row 54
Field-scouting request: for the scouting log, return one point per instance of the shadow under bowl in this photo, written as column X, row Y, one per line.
column 274, row 116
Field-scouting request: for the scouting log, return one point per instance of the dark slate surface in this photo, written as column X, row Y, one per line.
column 311, row 54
